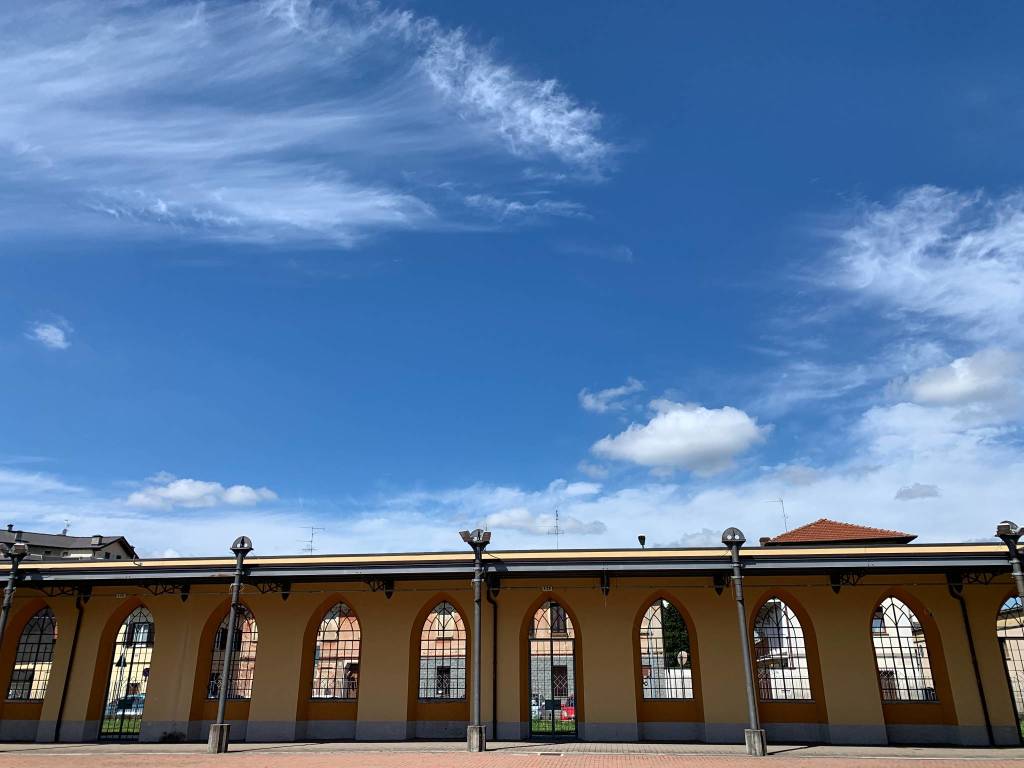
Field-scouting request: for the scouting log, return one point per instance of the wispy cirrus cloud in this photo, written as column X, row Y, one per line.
column 610, row 399
column 941, row 254
column 266, row 121
column 502, row 209
column 52, row 334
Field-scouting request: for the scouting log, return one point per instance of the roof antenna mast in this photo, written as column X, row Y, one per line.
column 308, row 547
column 782, row 503
column 557, row 530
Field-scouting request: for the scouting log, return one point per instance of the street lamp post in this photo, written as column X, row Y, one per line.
column 220, row 731
column 754, row 736
column 16, row 553
column 476, row 733
column 1010, row 533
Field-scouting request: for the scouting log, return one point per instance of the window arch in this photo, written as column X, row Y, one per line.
column 336, row 655
column 443, row 655
column 242, row 664
column 129, row 677
column 666, row 664
column 1010, row 632
column 780, row 651
column 901, row 653
column 34, row 658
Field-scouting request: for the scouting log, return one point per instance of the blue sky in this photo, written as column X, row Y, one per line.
column 395, row 269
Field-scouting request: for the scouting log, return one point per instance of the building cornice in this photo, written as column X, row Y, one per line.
column 537, row 563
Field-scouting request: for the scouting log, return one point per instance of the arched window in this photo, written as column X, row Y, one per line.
column 552, row 661
column 34, row 658
column 129, row 677
column 665, row 661
column 336, row 656
column 1010, row 631
column 243, row 657
column 443, row 655
column 901, row 653
column 781, row 654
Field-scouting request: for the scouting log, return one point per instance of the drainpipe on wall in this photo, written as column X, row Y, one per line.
column 956, row 587
column 80, row 599
column 494, row 663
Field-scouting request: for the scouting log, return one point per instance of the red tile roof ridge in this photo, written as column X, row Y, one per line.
column 826, row 530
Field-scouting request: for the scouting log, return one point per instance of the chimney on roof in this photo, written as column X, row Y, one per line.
column 10, row 526
column 96, row 539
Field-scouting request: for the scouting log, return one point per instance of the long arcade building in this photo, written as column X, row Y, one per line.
column 852, row 644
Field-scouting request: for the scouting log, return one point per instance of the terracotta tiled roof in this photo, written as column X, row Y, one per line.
column 825, row 531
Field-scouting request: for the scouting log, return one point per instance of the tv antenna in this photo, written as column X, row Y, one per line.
column 67, row 527
column 781, row 503
column 557, row 530
column 308, row 547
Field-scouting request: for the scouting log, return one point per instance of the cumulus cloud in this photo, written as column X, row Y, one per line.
column 52, row 335
column 917, row 491
column 605, row 400
column 266, row 121
column 943, row 254
column 991, row 376
column 685, row 436
column 521, row 519
column 166, row 492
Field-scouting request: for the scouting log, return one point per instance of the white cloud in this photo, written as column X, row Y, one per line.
column 705, row 537
column 532, row 116
column 169, row 492
column 502, row 209
column 606, row 400
column 917, row 491
column 943, row 254
column 685, row 436
column 18, row 483
column 267, row 122
column 521, row 519
column 52, row 335
column 991, row 376
column 593, row 471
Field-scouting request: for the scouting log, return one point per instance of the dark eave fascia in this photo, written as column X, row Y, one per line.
column 911, row 558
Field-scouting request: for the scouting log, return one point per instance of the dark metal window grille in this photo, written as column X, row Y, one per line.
column 443, row 655
column 665, row 662
column 129, row 678
column 336, row 657
column 552, row 662
column 34, row 658
column 243, row 657
column 781, row 654
column 901, row 654
column 1010, row 631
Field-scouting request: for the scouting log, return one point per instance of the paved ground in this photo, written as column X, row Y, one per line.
column 420, row 754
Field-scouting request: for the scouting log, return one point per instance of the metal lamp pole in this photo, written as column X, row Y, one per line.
column 476, row 733
column 16, row 552
column 754, row 736
column 1010, row 533
column 220, row 731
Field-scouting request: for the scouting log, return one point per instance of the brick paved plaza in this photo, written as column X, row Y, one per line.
column 500, row 755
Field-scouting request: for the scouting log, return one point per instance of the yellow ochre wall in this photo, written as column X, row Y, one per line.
column 280, row 709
